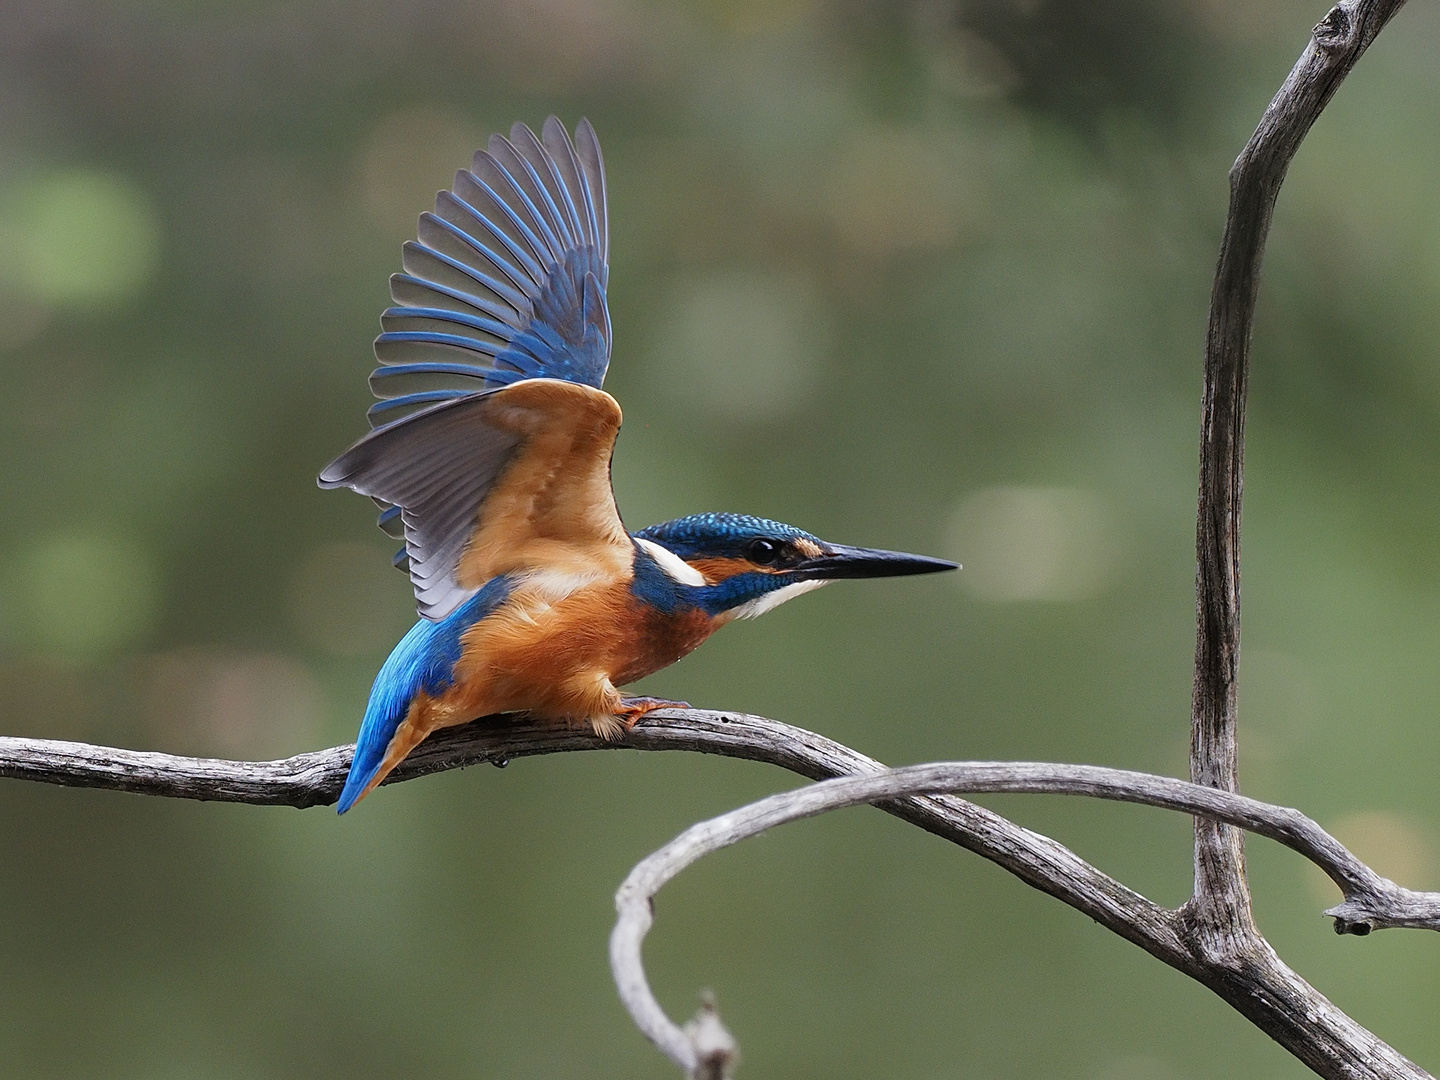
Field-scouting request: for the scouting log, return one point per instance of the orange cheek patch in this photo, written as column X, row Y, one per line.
column 717, row 570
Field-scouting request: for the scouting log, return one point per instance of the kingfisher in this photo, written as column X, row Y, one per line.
column 489, row 455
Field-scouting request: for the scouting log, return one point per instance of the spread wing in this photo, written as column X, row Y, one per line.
column 506, row 283
column 507, row 279
column 508, row 479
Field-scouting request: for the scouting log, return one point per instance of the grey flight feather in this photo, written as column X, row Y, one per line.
column 505, row 282
column 437, row 465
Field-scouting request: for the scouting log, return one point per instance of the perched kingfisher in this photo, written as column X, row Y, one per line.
column 490, row 455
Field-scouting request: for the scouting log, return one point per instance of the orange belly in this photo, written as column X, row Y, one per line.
column 556, row 651
column 564, row 658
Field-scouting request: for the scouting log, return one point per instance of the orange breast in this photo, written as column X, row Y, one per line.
column 658, row 640
column 563, row 656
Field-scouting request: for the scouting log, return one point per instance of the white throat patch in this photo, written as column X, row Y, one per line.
column 761, row 604
column 676, row 568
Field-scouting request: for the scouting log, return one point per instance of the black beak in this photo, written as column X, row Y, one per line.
column 854, row 562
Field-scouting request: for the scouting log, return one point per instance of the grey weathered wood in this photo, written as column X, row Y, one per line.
column 1216, row 923
column 1263, row 989
column 1220, row 909
column 315, row 779
column 1365, row 891
column 1212, row 938
column 1215, row 927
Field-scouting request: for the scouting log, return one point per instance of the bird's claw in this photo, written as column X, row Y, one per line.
column 632, row 709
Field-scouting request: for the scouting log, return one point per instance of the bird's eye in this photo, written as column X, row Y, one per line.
column 763, row 552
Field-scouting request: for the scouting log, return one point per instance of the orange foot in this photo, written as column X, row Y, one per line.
column 633, row 708
column 628, row 714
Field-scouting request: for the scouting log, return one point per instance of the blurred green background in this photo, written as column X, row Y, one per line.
column 908, row 273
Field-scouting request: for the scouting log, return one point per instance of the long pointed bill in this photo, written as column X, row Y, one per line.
column 854, row 562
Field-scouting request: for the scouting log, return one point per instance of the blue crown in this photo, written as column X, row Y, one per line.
column 720, row 535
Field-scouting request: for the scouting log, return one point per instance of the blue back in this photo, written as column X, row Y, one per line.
column 424, row 660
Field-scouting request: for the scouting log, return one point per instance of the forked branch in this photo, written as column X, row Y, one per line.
column 1212, row 938
column 1215, row 930
column 1262, row 989
column 1377, row 900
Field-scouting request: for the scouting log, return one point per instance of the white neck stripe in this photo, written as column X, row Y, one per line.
column 752, row 609
column 676, row 568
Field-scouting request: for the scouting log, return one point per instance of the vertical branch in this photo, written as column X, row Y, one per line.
column 1221, row 902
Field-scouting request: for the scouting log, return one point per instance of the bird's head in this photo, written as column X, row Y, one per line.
column 741, row 566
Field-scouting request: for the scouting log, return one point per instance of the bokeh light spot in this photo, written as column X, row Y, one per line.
column 1390, row 844
column 747, row 346
column 1034, row 543
column 897, row 190
column 82, row 595
column 83, row 239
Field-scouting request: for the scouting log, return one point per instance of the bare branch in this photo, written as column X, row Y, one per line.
column 1212, row 938
column 715, row 1048
column 1258, row 985
column 314, row 779
column 634, row 900
column 1220, row 910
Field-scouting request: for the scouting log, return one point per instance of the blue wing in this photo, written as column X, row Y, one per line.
column 506, row 282
column 507, row 279
column 491, row 471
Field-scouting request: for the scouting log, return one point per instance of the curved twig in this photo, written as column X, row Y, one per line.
column 1262, row 989
column 1367, row 894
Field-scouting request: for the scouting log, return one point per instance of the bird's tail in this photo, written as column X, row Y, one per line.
column 412, row 667
column 377, row 732
column 423, row 663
